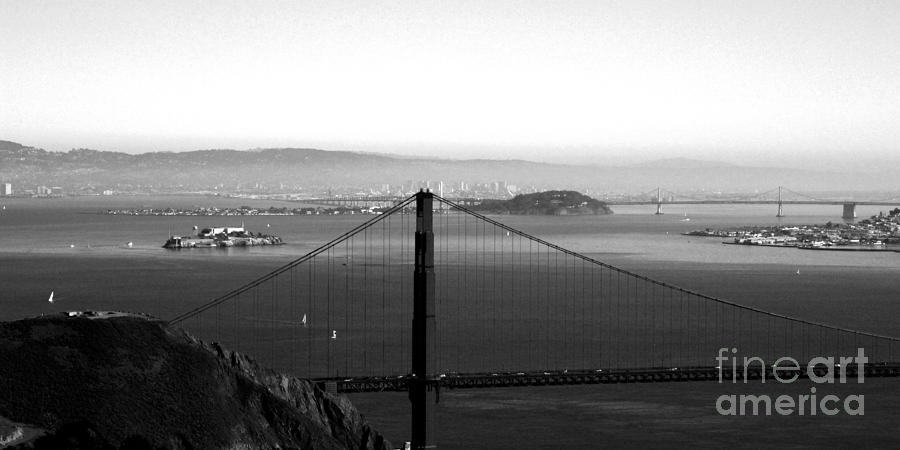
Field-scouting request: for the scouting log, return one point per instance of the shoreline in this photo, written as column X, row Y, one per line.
column 846, row 248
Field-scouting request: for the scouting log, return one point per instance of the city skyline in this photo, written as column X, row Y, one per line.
column 577, row 82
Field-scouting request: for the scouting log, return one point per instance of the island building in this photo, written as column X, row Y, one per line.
column 211, row 232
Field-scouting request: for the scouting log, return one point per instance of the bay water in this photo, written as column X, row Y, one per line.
column 72, row 247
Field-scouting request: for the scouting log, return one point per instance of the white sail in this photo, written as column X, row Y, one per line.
column 51, row 297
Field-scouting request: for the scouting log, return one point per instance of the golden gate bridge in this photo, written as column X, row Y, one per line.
column 431, row 295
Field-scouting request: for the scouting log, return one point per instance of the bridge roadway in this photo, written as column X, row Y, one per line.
column 551, row 378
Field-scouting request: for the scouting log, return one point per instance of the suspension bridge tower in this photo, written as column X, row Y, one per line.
column 780, row 211
column 423, row 385
column 658, row 202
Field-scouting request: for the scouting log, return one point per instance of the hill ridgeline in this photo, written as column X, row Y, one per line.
column 129, row 382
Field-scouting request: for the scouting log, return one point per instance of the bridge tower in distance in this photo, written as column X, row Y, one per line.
column 849, row 211
column 780, row 211
column 658, row 202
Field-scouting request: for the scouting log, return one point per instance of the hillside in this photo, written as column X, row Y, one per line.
column 556, row 203
column 235, row 170
column 129, row 381
column 316, row 171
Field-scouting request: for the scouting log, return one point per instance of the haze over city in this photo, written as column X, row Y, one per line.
column 771, row 83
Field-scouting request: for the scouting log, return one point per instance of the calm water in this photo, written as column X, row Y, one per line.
column 64, row 245
column 51, row 226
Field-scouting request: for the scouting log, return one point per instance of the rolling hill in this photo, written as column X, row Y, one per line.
column 313, row 170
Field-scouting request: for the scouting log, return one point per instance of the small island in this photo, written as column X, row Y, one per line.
column 222, row 237
column 548, row 203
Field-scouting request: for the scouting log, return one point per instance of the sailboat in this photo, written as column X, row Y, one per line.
column 304, row 320
column 686, row 218
column 798, row 271
column 51, row 297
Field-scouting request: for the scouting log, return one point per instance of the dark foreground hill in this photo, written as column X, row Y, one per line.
column 546, row 203
column 129, row 382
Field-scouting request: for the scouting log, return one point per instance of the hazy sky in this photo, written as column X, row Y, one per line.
column 569, row 80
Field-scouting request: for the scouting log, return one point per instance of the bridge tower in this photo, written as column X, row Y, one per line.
column 849, row 211
column 423, row 385
column 780, row 211
column 658, row 202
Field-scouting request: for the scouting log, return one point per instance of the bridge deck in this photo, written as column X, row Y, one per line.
column 599, row 376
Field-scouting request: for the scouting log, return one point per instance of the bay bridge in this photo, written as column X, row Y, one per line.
column 783, row 197
column 658, row 197
column 430, row 295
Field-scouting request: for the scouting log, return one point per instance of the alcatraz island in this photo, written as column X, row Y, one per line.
column 877, row 233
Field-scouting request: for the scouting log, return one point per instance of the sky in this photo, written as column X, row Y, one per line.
column 563, row 81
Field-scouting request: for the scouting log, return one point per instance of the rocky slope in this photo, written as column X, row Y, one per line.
column 129, row 382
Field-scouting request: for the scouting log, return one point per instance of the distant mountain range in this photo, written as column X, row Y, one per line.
column 27, row 167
